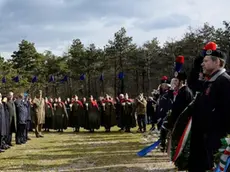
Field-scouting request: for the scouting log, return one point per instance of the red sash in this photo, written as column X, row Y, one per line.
column 50, row 105
column 107, row 101
column 78, row 102
column 94, row 103
column 61, row 104
column 126, row 100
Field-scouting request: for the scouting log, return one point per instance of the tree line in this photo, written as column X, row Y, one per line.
column 120, row 66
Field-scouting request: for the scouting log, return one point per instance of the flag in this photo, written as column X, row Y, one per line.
column 51, row 78
column 34, row 79
column 16, row 79
column 148, row 149
column 82, row 77
column 65, row 79
column 102, row 77
column 4, row 80
column 121, row 75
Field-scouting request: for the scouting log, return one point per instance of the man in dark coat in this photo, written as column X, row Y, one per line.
column 164, row 103
column 13, row 117
column 150, row 109
column 210, row 119
column 176, row 121
column 182, row 100
column 28, row 118
column 21, row 111
column 3, row 129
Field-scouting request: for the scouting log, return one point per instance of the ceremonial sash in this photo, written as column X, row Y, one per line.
column 182, row 141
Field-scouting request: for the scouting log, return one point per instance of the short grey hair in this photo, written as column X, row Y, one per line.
column 222, row 61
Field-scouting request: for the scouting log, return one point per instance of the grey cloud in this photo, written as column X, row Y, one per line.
column 34, row 12
column 50, row 22
column 171, row 21
column 29, row 19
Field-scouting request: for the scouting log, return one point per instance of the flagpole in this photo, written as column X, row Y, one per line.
column 5, row 86
column 103, row 87
column 121, row 78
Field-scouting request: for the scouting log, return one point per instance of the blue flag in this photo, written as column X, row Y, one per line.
column 34, row 79
column 102, row 77
column 148, row 149
column 4, row 80
column 16, row 79
column 121, row 75
column 82, row 77
column 51, row 78
column 65, row 79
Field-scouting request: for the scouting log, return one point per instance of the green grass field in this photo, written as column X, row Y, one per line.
column 93, row 152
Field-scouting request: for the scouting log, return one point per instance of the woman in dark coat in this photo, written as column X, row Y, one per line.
column 48, row 115
column 78, row 114
column 108, row 113
column 93, row 118
column 61, row 116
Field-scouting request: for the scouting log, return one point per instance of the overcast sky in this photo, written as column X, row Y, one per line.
column 52, row 24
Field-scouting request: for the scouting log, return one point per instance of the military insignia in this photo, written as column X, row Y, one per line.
column 209, row 52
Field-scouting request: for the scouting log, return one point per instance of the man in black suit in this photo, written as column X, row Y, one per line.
column 210, row 119
column 13, row 117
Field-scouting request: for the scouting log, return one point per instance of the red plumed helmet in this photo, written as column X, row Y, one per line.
column 164, row 78
column 210, row 46
column 180, row 59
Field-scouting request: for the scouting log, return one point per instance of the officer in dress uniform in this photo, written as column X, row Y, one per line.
column 210, row 119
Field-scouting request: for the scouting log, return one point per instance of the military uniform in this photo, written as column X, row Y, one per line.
column 210, row 117
column 210, row 121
